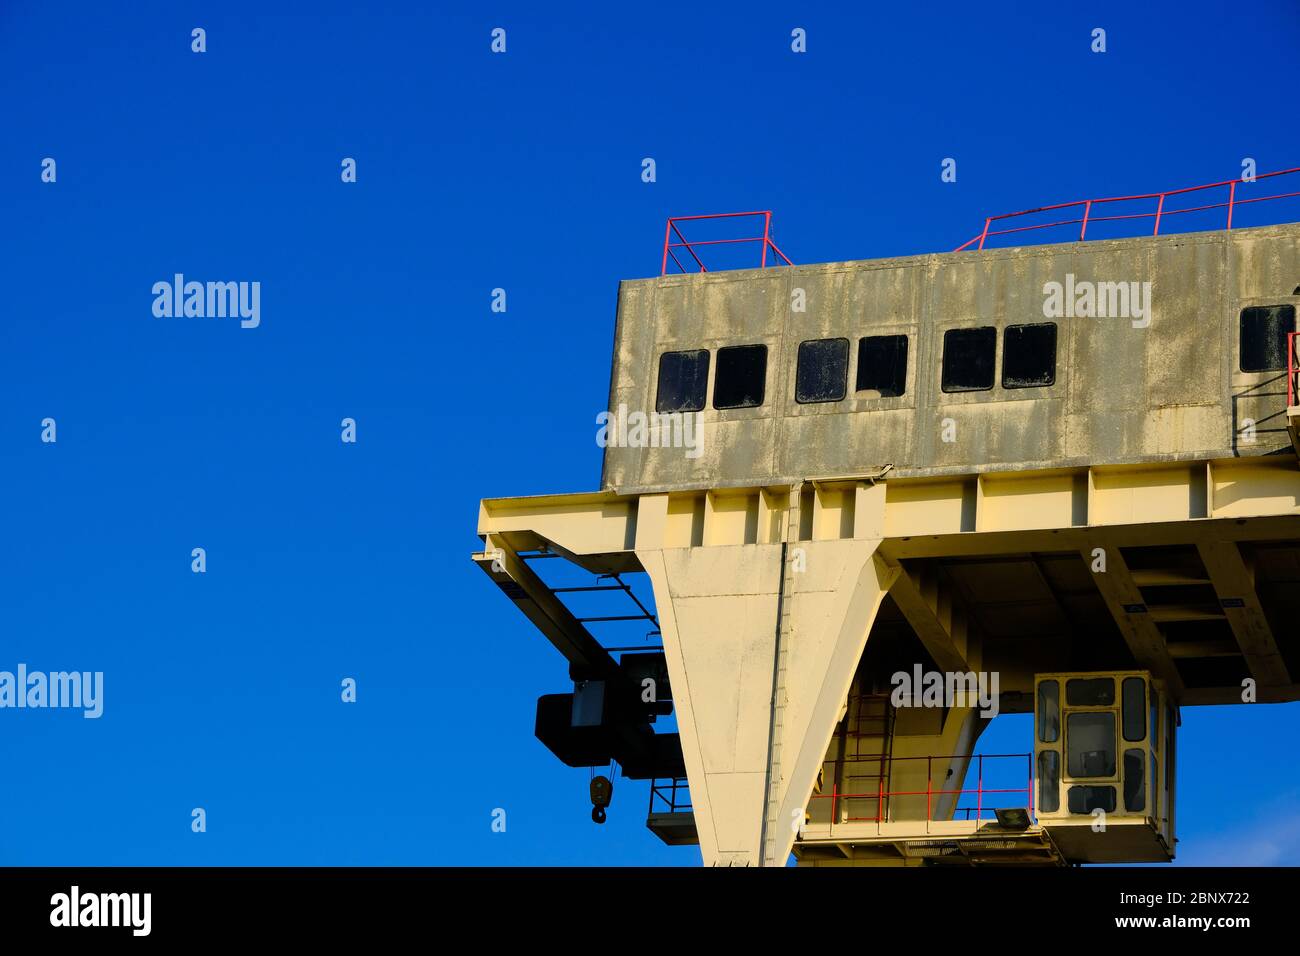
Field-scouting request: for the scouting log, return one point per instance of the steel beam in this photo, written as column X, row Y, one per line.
column 939, row 621
column 1128, row 607
column 1234, row 583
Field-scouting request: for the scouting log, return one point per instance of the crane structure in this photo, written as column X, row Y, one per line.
column 878, row 503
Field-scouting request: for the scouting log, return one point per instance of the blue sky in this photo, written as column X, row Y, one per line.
column 475, row 171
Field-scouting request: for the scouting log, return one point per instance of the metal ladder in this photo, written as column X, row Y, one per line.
column 880, row 727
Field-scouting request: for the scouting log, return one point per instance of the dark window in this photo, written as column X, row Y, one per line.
column 1135, row 791
column 683, row 381
column 1049, row 711
column 1049, row 776
column 1135, row 709
column 1090, row 743
column 1029, row 355
column 1087, row 799
column 882, row 365
column 1090, row 692
column 741, row 376
column 823, row 371
column 1263, row 337
column 968, row 357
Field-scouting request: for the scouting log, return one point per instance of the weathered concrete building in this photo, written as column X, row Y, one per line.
column 1163, row 385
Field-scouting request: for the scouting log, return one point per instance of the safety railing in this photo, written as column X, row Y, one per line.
column 669, row 795
column 1160, row 214
column 881, row 796
column 675, row 240
column 1292, row 368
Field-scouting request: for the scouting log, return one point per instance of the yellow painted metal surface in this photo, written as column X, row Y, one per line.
column 758, row 717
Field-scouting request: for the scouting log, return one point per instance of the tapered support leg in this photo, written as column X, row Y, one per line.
column 761, row 652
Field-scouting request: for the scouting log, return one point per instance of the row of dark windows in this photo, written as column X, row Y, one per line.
column 1028, row 360
column 969, row 363
column 1028, row 357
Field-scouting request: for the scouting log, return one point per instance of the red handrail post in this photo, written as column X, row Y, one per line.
column 985, row 233
column 1083, row 229
column 1160, row 208
column 979, row 790
column 668, row 230
column 767, row 232
column 1232, row 195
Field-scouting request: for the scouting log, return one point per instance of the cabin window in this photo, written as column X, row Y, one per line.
column 823, row 371
column 1135, row 709
column 1263, row 337
column 1029, row 355
column 1049, row 711
column 1090, row 744
column 741, row 376
column 1090, row 692
column 683, row 381
column 1087, row 799
column 968, row 359
column 882, row 365
column 1135, row 791
column 1049, row 776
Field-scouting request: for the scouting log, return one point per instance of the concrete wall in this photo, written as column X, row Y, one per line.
column 1172, row 390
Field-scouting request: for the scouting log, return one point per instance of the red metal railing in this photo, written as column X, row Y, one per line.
column 1159, row 214
column 882, row 795
column 673, row 230
column 1292, row 369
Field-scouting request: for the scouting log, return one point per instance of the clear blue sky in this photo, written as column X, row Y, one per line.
column 475, row 171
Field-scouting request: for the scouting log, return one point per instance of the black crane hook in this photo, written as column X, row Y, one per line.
column 602, row 792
